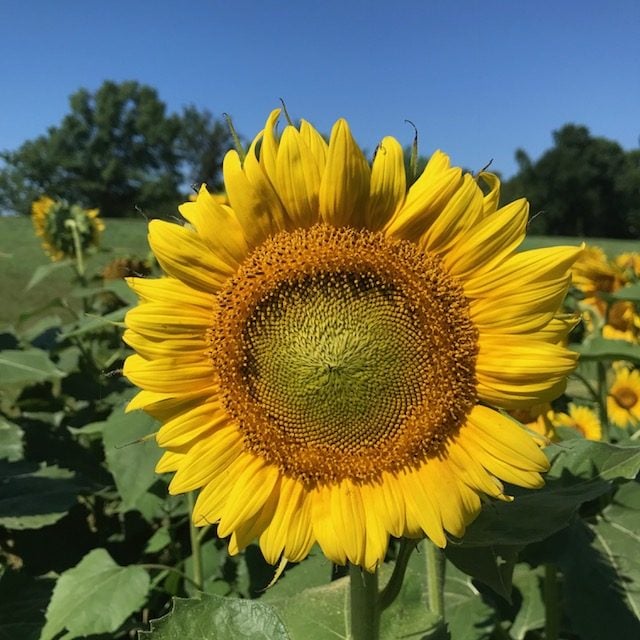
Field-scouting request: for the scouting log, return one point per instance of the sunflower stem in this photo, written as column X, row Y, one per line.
column 196, row 551
column 435, row 578
column 392, row 588
column 365, row 610
column 551, row 602
column 71, row 224
column 602, row 392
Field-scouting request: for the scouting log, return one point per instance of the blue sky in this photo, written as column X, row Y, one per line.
column 479, row 79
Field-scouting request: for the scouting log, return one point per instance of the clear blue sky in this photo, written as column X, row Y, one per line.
column 479, row 79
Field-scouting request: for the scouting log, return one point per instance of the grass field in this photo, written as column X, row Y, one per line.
column 21, row 255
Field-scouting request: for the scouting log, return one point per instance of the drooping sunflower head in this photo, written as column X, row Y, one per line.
column 53, row 221
column 329, row 350
column 623, row 400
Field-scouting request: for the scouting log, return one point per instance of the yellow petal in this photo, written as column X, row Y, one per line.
column 492, row 198
column 207, row 460
column 168, row 375
column 250, row 491
column 297, row 179
column 169, row 290
column 315, row 142
column 388, row 183
column 421, row 508
column 462, row 211
column 209, row 218
column 183, row 255
column 183, row 427
column 426, row 198
column 344, row 190
column 489, row 242
column 252, row 197
column 349, row 520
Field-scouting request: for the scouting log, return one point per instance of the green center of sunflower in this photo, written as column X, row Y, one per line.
column 341, row 353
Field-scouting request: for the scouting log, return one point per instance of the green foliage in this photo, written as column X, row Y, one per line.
column 583, row 186
column 117, row 150
column 92, row 544
column 96, row 596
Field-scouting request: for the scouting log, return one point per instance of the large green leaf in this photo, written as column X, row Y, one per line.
column 531, row 614
column 492, row 565
column 33, row 496
column 600, row 348
column 131, row 459
column 23, row 600
column 606, row 557
column 11, row 445
column 631, row 293
column 216, row 618
column 581, row 470
column 468, row 616
column 95, row 596
column 27, row 367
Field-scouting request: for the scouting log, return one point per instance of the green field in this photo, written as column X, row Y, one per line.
column 21, row 255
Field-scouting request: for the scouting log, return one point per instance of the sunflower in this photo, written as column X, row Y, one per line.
column 629, row 262
column 328, row 353
column 623, row 401
column 51, row 220
column 582, row 419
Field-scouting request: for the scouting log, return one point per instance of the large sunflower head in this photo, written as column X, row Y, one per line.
column 52, row 220
column 329, row 351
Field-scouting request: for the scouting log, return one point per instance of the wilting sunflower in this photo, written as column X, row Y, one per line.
column 623, row 401
column 582, row 419
column 52, row 219
column 328, row 352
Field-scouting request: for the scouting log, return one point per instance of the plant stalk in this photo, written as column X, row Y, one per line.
column 196, row 551
column 435, row 578
column 365, row 609
column 392, row 588
column 551, row 602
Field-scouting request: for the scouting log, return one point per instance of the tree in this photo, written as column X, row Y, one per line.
column 583, row 186
column 117, row 150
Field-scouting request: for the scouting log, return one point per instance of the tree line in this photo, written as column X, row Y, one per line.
column 119, row 149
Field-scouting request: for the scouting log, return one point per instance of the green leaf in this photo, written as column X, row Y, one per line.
column 492, row 565
column 27, row 367
column 45, row 270
column 158, row 541
column 531, row 614
column 600, row 348
column 617, row 538
column 591, row 460
column 96, row 323
column 631, row 293
column 23, row 600
column 581, row 470
column 313, row 571
column 131, row 460
column 95, row 596
column 468, row 616
column 11, row 445
column 32, row 497
column 216, row 618
column 600, row 584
